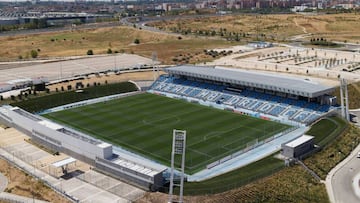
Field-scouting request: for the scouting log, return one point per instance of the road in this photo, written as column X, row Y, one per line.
column 58, row 29
column 341, row 182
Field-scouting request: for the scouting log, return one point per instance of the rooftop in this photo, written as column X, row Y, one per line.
column 268, row 81
column 64, row 162
column 50, row 124
column 299, row 141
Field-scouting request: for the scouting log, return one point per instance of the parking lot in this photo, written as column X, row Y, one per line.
column 70, row 68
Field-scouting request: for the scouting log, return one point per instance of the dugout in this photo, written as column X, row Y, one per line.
column 298, row 147
column 62, row 167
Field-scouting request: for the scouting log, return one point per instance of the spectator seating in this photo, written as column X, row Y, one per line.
column 297, row 110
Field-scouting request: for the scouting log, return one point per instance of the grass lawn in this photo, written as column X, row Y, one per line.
column 236, row 178
column 326, row 130
column 144, row 123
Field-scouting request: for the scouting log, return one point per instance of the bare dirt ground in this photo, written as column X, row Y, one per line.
column 22, row 184
column 19, row 182
column 277, row 27
column 136, row 76
column 278, row 59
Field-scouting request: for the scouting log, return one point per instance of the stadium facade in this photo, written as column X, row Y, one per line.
column 82, row 147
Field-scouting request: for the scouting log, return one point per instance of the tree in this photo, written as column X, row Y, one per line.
column 109, row 51
column 90, row 52
column 137, row 41
column 34, row 54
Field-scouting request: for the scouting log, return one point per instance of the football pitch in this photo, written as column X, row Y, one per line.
column 143, row 124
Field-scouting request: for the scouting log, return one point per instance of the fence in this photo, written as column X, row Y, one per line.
column 88, row 102
column 251, row 145
column 33, row 173
column 222, row 187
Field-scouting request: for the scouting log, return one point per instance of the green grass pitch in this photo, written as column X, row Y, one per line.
column 143, row 124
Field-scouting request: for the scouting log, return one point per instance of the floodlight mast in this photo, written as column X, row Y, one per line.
column 344, row 99
column 154, row 59
column 178, row 148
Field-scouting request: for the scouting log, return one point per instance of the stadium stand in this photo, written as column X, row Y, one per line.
column 288, row 98
column 85, row 148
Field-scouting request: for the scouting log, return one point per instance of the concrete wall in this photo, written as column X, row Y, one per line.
column 298, row 151
column 80, row 145
column 141, row 180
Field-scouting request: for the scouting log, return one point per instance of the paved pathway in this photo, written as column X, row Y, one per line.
column 83, row 191
column 3, row 182
column 342, row 183
column 247, row 157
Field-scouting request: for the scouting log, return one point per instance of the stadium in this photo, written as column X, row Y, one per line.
column 232, row 118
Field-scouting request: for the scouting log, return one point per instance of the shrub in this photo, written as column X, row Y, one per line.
column 109, row 51
column 34, row 54
column 90, row 52
column 137, row 41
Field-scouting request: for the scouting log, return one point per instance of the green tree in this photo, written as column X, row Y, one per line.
column 34, row 54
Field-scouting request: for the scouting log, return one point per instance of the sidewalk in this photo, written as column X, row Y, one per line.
column 74, row 189
column 3, row 182
column 329, row 177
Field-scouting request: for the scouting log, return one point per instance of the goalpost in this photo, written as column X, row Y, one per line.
column 252, row 144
